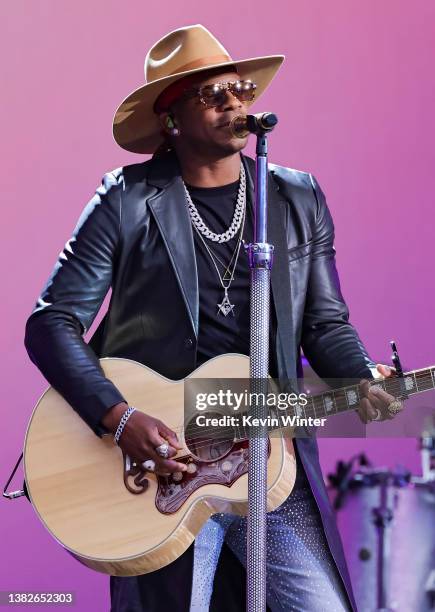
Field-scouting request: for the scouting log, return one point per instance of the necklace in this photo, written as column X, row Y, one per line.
column 225, row 307
column 236, row 222
column 226, row 276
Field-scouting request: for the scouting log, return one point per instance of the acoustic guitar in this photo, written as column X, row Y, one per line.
column 119, row 518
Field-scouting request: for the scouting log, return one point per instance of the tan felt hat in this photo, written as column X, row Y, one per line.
column 185, row 51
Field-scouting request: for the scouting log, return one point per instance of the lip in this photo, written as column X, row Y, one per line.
column 228, row 122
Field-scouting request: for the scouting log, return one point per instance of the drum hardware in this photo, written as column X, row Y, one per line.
column 342, row 479
column 430, row 589
column 396, row 569
column 382, row 515
column 382, row 518
column 427, row 450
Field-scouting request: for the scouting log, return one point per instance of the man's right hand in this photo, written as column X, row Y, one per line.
column 141, row 435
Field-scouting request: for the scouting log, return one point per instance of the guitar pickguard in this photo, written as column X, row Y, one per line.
column 174, row 490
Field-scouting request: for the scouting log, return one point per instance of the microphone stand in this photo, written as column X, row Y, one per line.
column 260, row 254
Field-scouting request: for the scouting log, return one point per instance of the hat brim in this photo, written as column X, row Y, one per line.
column 136, row 127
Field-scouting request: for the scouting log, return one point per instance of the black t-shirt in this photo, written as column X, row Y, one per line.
column 220, row 334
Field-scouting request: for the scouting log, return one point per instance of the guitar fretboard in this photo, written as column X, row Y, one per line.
column 338, row 401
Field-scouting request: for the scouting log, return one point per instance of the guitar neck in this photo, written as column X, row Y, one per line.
column 345, row 399
column 336, row 401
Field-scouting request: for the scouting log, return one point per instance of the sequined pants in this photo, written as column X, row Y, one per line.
column 301, row 574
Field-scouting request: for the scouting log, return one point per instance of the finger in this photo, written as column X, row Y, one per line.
column 382, row 406
column 154, row 455
column 150, row 466
column 381, row 395
column 169, row 466
column 378, row 404
column 386, row 370
column 169, row 435
column 162, row 473
column 163, row 467
column 366, row 411
column 155, row 439
column 364, row 388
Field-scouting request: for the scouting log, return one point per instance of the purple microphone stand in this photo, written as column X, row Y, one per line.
column 260, row 262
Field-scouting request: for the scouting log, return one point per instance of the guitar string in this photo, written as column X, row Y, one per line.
column 208, row 441
column 310, row 408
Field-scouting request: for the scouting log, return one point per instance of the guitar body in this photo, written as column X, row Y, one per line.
column 116, row 517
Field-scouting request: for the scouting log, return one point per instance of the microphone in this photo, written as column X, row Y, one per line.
column 242, row 125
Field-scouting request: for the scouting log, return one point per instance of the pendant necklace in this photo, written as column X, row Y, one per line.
column 225, row 307
column 237, row 223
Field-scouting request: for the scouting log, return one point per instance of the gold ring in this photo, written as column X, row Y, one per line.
column 395, row 407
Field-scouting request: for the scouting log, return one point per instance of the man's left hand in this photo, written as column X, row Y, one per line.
column 375, row 403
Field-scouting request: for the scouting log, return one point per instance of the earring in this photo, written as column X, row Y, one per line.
column 174, row 131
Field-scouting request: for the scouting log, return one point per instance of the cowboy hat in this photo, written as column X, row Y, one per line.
column 180, row 53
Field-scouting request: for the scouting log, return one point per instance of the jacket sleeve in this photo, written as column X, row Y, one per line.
column 69, row 303
column 330, row 343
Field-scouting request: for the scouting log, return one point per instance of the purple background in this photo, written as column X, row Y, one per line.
column 355, row 98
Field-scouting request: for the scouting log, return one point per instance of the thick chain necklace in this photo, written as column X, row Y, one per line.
column 234, row 227
column 225, row 307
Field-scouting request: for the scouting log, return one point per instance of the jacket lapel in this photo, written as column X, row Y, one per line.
column 280, row 280
column 169, row 209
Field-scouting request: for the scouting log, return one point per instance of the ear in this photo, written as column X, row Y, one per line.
column 167, row 122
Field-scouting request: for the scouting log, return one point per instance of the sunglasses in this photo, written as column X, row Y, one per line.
column 216, row 94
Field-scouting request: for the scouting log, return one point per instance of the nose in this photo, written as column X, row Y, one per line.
column 231, row 102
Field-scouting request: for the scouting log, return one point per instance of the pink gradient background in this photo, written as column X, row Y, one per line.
column 355, row 98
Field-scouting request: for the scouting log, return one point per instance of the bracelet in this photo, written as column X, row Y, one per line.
column 127, row 414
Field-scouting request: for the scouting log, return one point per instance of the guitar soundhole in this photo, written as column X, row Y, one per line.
column 208, row 442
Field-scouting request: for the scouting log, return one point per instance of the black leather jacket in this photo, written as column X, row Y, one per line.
column 135, row 236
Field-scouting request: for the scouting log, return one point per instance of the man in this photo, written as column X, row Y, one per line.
column 166, row 236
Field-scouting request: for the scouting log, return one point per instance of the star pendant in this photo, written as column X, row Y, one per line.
column 225, row 307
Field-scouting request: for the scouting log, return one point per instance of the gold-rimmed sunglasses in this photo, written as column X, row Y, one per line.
column 215, row 94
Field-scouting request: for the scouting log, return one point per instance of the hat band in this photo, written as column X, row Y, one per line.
column 173, row 92
column 203, row 61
